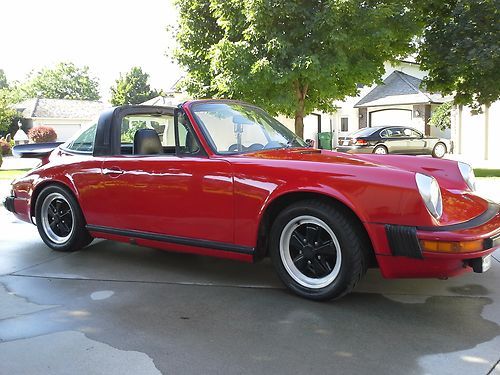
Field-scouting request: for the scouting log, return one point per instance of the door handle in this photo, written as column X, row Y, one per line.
column 113, row 171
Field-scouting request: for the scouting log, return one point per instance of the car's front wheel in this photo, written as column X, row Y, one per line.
column 317, row 250
column 60, row 221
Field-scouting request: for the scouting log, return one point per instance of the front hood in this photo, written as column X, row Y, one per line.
column 445, row 171
column 394, row 171
column 309, row 155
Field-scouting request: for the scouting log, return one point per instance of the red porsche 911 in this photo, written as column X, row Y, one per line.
column 225, row 179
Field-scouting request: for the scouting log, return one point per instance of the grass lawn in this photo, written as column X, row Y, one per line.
column 10, row 174
column 479, row 172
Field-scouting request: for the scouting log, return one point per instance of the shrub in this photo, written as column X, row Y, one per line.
column 4, row 147
column 42, row 134
column 1, row 161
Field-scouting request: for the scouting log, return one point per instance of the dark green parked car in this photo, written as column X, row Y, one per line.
column 394, row 140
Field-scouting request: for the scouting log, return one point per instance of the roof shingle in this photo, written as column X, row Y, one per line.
column 59, row 108
column 399, row 88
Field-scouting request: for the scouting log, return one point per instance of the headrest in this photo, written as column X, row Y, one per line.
column 147, row 142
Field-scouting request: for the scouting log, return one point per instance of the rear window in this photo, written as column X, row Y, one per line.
column 365, row 132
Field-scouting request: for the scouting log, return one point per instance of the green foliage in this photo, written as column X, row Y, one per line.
column 461, row 49
column 42, row 134
column 3, row 80
column 132, row 88
column 441, row 117
column 7, row 114
column 64, row 81
column 290, row 56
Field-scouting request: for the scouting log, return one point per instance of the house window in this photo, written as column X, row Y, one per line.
column 344, row 124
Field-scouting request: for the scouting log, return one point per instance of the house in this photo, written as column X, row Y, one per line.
column 400, row 99
column 476, row 135
column 65, row 116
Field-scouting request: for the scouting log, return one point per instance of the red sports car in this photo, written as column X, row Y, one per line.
column 225, row 179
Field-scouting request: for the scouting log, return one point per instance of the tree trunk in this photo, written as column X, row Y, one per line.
column 300, row 92
column 299, row 124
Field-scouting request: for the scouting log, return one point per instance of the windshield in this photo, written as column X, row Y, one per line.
column 235, row 128
column 365, row 132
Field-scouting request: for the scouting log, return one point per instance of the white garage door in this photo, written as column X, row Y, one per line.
column 391, row 117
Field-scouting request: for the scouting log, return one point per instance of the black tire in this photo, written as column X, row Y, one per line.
column 380, row 150
column 437, row 150
column 341, row 272
column 60, row 221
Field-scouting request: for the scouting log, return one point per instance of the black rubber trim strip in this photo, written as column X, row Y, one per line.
column 491, row 242
column 173, row 239
column 403, row 241
column 486, row 216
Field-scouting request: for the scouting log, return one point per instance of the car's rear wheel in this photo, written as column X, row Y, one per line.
column 317, row 250
column 60, row 221
column 381, row 150
column 439, row 150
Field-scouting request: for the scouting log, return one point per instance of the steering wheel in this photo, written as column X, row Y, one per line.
column 255, row 147
column 234, row 147
column 275, row 144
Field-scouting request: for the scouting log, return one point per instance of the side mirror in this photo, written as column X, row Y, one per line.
column 310, row 142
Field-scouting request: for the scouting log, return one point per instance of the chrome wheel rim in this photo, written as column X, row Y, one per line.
column 57, row 218
column 380, row 151
column 439, row 150
column 310, row 252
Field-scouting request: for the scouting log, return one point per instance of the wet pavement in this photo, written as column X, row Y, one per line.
column 120, row 309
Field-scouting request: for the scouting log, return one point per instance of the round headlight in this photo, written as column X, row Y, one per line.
column 429, row 189
column 468, row 175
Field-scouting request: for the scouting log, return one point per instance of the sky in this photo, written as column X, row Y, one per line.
column 109, row 36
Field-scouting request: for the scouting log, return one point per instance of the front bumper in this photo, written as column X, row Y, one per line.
column 355, row 149
column 400, row 253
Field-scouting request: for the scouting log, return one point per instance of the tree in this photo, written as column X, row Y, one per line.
column 132, row 88
column 461, row 49
column 7, row 98
column 441, row 117
column 6, row 111
column 290, row 56
column 64, row 81
column 3, row 80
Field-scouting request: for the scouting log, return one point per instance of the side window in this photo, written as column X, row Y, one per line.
column 164, row 127
column 396, row 133
column 84, row 141
column 415, row 134
column 411, row 133
column 384, row 133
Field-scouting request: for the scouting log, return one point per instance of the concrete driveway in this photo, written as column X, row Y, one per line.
column 120, row 309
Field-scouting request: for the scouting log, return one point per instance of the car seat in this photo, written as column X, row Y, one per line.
column 147, row 142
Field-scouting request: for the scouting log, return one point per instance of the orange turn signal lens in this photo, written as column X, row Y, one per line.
column 452, row 247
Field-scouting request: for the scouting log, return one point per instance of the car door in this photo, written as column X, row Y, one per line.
column 416, row 144
column 395, row 140
column 177, row 191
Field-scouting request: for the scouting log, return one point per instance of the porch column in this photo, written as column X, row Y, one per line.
column 427, row 116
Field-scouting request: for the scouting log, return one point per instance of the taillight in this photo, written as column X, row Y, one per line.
column 359, row 142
